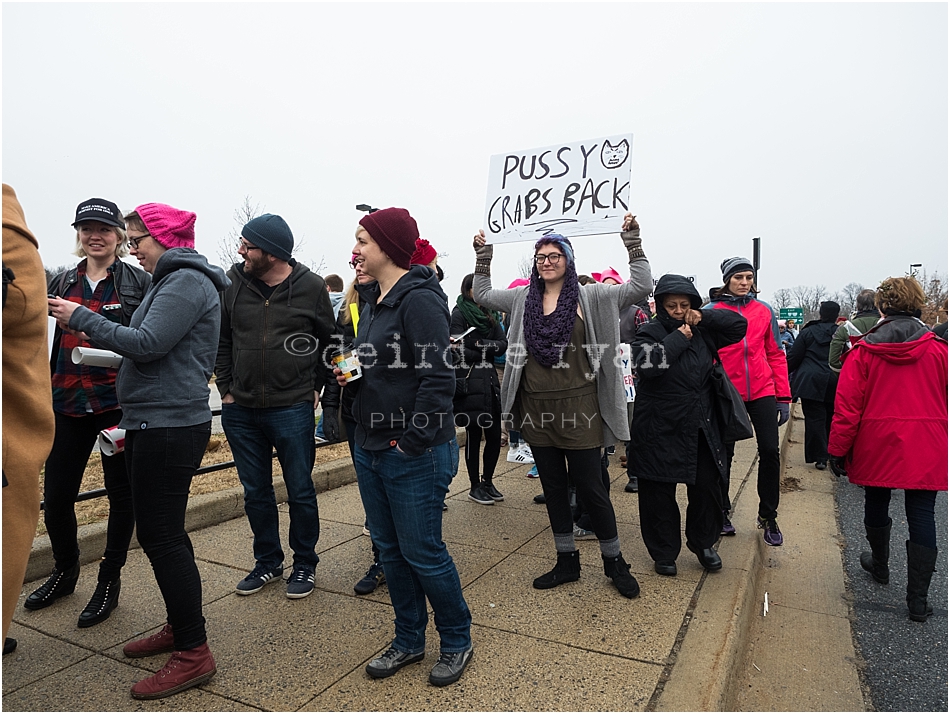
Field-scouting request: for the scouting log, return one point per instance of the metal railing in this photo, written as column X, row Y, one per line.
column 210, row 468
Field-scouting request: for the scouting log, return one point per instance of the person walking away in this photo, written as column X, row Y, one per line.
column 757, row 368
column 570, row 414
column 28, row 420
column 276, row 324
column 162, row 385
column 890, row 431
column 814, row 382
column 477, row 403
column 676, row 436
column 406, row 452
column 866, row 316
column 85, row 403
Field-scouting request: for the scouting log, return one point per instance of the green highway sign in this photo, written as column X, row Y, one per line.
column 791, row 313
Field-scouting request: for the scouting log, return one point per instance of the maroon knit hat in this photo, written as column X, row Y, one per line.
column 395, row 231
column 171, row 227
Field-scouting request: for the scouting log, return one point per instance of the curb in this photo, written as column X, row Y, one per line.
column 205, row 509
column 703, row 663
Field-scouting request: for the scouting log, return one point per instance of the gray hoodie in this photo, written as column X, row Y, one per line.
column 169, row 345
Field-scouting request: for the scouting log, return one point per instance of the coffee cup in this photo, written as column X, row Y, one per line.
column 348, row 362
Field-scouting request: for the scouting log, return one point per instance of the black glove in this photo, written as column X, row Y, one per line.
column 782, row 412
column 331, row 424
column 837, row 465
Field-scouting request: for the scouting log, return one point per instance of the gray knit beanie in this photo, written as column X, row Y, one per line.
column 271, row 234
column 731, row 266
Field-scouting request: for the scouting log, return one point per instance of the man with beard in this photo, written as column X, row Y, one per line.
column 276, row 323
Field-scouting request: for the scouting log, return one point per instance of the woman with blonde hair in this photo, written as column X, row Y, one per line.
column 890, row 431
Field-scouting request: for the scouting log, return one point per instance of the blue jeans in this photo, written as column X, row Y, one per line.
column 252, row 434
column 403, row 496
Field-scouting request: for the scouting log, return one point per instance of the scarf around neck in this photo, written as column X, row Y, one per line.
column 474, row 315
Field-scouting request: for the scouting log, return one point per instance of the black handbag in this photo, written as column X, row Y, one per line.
column 734, row 423
column 461, row 384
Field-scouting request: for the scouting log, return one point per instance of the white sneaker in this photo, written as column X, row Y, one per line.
column 526, row 456
column 513, row 451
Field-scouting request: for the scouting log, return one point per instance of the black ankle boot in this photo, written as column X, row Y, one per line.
column 618, row 570
column 567, row 570
column 59, row 584
column 920, row 569
column 104, row 600
column 875, row 562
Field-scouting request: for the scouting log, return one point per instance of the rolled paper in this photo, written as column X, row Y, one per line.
column 112, row 441
column 96, row 358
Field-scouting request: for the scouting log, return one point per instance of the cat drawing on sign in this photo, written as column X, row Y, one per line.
column 613, row 157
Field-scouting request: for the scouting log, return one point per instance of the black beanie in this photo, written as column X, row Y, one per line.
column 828, row 311
column 271, row 234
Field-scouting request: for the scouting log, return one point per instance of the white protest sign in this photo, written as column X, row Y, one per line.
column 626, row 370
column 576, row 189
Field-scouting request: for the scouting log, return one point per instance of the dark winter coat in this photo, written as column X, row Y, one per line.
column 673, row 403
column 840, row 343
column 334, row 396
column 405, row 395
column 478, row 367
column 812, row 378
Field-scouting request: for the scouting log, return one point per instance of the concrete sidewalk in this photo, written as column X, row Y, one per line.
column 578, row 647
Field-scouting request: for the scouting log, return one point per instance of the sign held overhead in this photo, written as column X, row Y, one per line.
column 575, row 189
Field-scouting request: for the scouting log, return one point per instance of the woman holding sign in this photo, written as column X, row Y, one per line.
column 564, row 387
column 85, row 403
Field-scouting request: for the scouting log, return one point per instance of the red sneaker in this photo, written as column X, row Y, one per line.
column 161, row 641
column 183, row 670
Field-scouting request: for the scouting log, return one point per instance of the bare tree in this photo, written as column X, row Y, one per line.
column 809, row 299
column 848, row 296
column 935, row 289
column 228, row 246
column 525, row 264
column 782, row 298
column 53, row 272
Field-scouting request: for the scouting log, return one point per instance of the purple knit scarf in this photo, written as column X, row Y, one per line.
column 546, row 336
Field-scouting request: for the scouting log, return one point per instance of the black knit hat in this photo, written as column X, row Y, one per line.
column 828, row 311
column 271, row 234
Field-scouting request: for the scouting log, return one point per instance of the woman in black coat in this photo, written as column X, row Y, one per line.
column 814, row 382
column 675, row 435
column 477, row 403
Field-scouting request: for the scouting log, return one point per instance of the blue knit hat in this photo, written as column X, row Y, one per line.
column 271, row 234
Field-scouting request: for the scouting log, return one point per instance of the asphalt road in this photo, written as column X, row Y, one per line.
column 906, row 662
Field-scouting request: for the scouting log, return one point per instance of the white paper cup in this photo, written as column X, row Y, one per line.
column 348, row 362
column 112, row 441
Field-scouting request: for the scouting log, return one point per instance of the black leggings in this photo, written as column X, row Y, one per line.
column 764, row 417
column 584, row 465
column 818, row 416
column 918, row 506
column 491, row 425
column 161, row 463
column 72, row 445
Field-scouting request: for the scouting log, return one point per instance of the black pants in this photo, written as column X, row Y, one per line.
column 584, row 465
column 818, row 415
column 491, row 425
column 72, row 445
column 161, row 464
column 918, row 506
column 660, row 514
column 764, row 417
column 581, row 518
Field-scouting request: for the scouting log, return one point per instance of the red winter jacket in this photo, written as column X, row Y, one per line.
column 891, row 414
column 756, row 365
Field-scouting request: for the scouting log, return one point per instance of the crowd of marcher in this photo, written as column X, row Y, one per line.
column 397, row 369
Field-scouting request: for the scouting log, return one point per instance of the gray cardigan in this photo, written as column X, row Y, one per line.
column 170, row 345
column 600, row 306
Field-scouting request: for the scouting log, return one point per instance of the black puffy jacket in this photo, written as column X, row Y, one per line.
column 478, row 368
column 674, row 392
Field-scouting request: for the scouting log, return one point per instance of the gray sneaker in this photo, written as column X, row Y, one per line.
column 450, row 667
column 300, row 582
column 258, row 578
column 583, row 533
column 390, row 662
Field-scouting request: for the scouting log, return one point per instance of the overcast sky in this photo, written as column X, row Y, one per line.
column 821, row 128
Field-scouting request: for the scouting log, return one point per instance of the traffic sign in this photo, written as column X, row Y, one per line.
column 791, row 313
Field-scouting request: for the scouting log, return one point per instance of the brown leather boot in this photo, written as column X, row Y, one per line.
column 161, row 641
column 183, row 670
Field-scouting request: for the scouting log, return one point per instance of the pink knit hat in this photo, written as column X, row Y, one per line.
column 171, row 227
column 609, row 273
column 518, row 282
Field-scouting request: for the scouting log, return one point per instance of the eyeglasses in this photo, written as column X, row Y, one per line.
column 135, row 240
column 247, row 247
column 552, row 258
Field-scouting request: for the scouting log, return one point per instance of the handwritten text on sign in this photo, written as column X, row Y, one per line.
column 576, row 189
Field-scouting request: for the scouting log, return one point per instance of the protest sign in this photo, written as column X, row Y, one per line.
column 626, row 371
column 576, row 189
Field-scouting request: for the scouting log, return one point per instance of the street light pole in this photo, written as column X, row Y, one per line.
column 366, row 208
column 912, row 266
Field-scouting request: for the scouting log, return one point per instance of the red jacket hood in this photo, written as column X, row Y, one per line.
column 899, row 352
